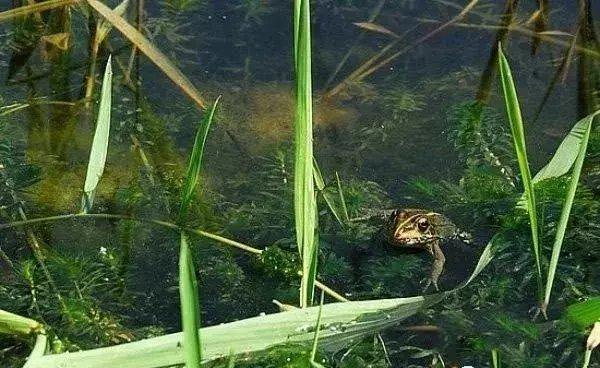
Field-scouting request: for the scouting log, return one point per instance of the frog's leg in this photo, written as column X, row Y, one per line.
column 438, row 265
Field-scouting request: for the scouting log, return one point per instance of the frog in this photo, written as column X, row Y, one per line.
column 421, row 229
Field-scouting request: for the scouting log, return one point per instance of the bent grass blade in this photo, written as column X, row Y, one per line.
column 154, row 54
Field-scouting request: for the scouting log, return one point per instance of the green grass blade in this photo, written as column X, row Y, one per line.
column 305, row 208
column 320, row 184
column 353, row 320
column 13, row 324
column 315, row 344
column 566, row 210
column 584, row 314
column 495, row 358
column 586, row 358
column 516, row 126
column 190, row 308
column 193, row 170
column 100, row 143
column 342, row 198
column 103, row 26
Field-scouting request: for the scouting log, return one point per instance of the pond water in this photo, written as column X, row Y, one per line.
column 407, row 114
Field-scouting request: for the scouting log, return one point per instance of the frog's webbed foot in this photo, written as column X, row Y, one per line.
column 428, row 282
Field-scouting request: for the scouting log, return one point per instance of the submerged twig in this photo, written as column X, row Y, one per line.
column 419, row 41
column 170, row 225
column 342, row 62
column 35, row 8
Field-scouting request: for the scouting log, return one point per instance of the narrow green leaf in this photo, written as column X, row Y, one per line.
column 193, row 170
column 516, row 126
column 13, row 324
column 315, row 344
column 103, row 26
column 320, row 184
column 342, row 198
column 305, row 208
column 343, row 324
column 586, row 358
column 566, row 210
column 565, row 155
column 585, row 313
column 100, row 143
column 190, row 308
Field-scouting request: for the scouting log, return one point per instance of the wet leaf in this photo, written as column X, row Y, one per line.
column 584, row 314
column 579, row 151
column 99, row 149
column 343, row 324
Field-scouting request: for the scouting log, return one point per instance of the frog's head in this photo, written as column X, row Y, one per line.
column 413, row 227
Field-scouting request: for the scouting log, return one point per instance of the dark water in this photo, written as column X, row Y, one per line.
column 391, row 128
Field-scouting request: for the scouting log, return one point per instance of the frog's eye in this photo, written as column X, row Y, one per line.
column 423, row 224
column 394, row 214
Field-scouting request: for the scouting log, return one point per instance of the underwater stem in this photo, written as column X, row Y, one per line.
column 170, row 225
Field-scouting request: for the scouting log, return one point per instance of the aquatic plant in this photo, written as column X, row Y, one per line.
column 305, row 208
column 99, row 149
column 518, row 135
column 569, row 155
column 253, row 203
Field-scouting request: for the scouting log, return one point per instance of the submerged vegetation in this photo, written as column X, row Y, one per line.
column 261, row 242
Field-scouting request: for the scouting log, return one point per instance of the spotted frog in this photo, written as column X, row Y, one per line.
column 423, row 230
